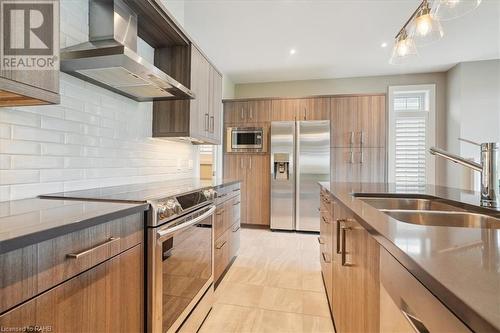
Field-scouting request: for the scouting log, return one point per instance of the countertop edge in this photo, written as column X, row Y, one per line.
column 43, row 235
column 474, row 320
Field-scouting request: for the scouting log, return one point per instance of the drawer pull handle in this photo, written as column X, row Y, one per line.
column 415, row 323
column 83, row 253
column 320, row 240
column 218, row 247
column 238, row 228
column 325, row 220
column 236, row 203
column 220, row 212
column 324, row 258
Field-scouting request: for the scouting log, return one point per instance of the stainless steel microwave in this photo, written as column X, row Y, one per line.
column 246, row 139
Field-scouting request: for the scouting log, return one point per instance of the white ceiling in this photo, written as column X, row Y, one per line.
column 250, row 40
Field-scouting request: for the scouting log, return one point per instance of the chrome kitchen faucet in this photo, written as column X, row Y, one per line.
column 490, row 187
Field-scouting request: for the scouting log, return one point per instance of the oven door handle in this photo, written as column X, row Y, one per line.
column 166, row 232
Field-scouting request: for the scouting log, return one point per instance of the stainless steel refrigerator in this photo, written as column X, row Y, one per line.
column 300, row 158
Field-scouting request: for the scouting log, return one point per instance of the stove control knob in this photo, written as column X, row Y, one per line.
column 209, row 194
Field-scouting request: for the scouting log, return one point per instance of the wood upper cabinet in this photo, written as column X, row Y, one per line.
column 254, row 173
column 106, row 298
column 358, row 121
column 286, row 109
column 315, row 109
column 197, row 118
column 355, row 275
column 247, row 112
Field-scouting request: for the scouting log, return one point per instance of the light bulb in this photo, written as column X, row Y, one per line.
column 423, row 24
column 402, row 48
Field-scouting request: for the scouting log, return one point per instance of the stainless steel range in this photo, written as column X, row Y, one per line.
column 179, row 257
column 179, row 241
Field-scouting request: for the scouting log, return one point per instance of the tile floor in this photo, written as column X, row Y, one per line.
column 273, row 286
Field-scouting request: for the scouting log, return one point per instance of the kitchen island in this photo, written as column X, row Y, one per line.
column 459, row 265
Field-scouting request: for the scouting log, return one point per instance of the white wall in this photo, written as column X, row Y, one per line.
column 473, row 113
column 93, row 138
column 176, row 8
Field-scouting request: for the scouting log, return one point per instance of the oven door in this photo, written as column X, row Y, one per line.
column 182, row 269
column 246, row 138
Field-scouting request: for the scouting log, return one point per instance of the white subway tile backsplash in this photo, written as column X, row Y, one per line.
column 53, row 175
column 36, row 162
column 18, row 117
column 8, row 177
column 32, row 190
column 61, row 125
column 5, row 130
column 35, row 134
column 94, row 138
column 4, row 161
column 57, row 149
column 19, row 147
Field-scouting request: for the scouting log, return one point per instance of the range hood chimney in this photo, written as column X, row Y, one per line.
column 110, row 58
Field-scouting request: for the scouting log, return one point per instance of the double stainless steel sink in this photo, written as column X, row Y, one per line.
column 429, row 211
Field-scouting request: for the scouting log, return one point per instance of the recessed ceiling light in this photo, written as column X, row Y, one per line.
column 293, row 51
column 384, row 44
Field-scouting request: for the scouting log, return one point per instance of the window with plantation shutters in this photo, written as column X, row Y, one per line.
column 411, row 133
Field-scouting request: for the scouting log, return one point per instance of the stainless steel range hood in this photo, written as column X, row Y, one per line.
column 110, row 60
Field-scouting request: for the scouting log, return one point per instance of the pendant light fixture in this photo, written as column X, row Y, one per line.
column 425, row 29
column 451, row 9
column 404, row 48
column 424, row 26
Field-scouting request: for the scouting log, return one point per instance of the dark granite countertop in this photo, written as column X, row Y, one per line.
column 461, row 266
column 30, row 221
column 142, row 192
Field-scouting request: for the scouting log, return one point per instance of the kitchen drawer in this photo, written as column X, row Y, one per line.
column 31, row 270
column 234, row 206
column 234, row 240
column 106, row 298
column 221, row 254
column 405, row 302
column 220, row 217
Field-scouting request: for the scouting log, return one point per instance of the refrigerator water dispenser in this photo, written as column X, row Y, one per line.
column 281, row 166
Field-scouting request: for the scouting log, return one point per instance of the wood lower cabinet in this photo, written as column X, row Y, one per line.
column 107, row 298
column 226, row 228
column 358, row 164
column 355, row 274
column 254, row 173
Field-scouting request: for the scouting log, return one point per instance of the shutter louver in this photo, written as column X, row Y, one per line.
column 410, row 152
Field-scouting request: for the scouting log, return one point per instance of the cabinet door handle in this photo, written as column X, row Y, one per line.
column 320, row 240
column 344, row 252
column 351, row 157
column 236, row 203
column 92, row 249
column 415, row 323
column 325, row 220
column 218, row 247
column 251, row 113
column 250, row 164
column 338, row 234
column 324, row 258
column 206, row 121
column 351, row 138
column 220, row 212
column 241, row 114
column 362, row 137
column 361, row 156
column 212, row 123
